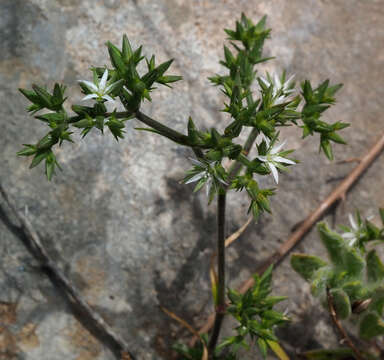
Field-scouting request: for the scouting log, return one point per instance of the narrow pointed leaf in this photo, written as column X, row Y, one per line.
column 306, row 265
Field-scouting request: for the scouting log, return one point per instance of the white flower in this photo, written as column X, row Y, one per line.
column 99, row 89
column 280, row 90
column 206, row 171
column 355, row 234
column 274, row 158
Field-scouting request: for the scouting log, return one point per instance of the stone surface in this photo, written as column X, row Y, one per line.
column 116, row 220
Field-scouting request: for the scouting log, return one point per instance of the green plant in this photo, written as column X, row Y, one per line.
column 275, row 104
column 352, row 282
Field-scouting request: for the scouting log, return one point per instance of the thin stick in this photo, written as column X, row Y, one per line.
column 337, row 323
column 189, row 327
column 32, row 240
column 338, row 193
column 228, row 241
column 220, row 307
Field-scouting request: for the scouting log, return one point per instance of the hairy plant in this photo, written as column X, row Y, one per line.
column 351, row 282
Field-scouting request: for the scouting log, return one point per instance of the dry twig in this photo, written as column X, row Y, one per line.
column 32, row 241
column 228, row 241
column 189, row 327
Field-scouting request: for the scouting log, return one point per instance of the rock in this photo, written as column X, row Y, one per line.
column 116, row 220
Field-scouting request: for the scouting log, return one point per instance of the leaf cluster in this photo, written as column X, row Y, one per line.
column 126, row 83
column 354, row 275
column 316, row 102
column 254, row 313
column 273, row 106
column 136, row 87
column 57, row 121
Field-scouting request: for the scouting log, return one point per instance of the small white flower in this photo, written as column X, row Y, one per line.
column 280, row 91
column 273, row 158
column 355, row 234
column 205, row 170
column 99, row 89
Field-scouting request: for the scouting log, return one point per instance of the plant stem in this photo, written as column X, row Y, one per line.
column 220, row 306
column 340, row 328
column 164, row 130
column 161, row 128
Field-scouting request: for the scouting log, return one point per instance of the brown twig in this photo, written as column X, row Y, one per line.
column 32, row 241
column 339, row 326
column 339, row 193
column 346, row 161
column 228, row 241
column 190, row 328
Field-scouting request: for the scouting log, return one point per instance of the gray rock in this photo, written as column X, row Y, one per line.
column 117, row 221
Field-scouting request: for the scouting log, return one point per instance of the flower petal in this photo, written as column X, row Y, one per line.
column 262, row 158
column 348, row 235
column 195, row 178
column 289, row 80
column 277, row 82
column 108, row 98
column 103, row 81
column 91, row 86
column 279, row 100
column 197, row 162
column 352, row 222
column 274, row 172
column 280, row 159
column 90, row 96
column 277, row 147
column 110, row 87
column 209, row 185
column 265, row 81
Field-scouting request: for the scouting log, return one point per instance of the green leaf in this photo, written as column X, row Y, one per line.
column 266, row 280
column 263, row 347
column 354, row 289
column 234, row 296
column 371, row 325
column 116, row 60
column 44, row 96
column 326, row 147
column 333, row 242
column 52, row 117
column 375, row 268
column 278, row 350
column 306, row 265
column 50, row 163
column 336, row 138
column 28, row 150
column 30, row 95
column 319, row 280
column 84, row 123
column 227, row 342
column 39, row 157
column 354, row 262
column 126, row 49
column 377, row 303
column 165, row 80
column 381, row 211
column 341, row 303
